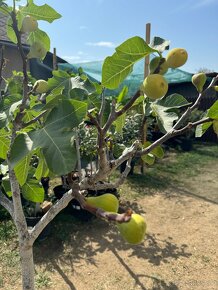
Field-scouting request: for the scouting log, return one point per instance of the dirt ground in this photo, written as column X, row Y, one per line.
column 180, row 250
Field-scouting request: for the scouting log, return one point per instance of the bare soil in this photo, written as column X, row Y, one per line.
column 180, row 250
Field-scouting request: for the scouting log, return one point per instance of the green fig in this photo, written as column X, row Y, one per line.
column 41, row 86
column 37, row 50
column 29, row 24
column 158, row 65
column 215, row 126
column 216, row 88
column 198, row 81
column 134, row 230
column 107, row 202
column 155, row 86
column 176, row 57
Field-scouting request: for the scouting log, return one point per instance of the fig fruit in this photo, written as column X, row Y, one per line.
column 134, row 230
column 107, row 202
column 155, row 86
column 41, row 86
column 158, row 65
column 176, row 57
column 29, row 24
column 37, row 50
column 198, row 81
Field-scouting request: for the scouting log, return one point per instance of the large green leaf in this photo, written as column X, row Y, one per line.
column 55, row 138
column 164, row 116
column 213, row 111
column 118, row 66
column 4, row 143
column 22, row 169
column 44, row 12
column 21, row 147
column 41, row 37
column 10, row 31
column 33, row 191
column 173, row 101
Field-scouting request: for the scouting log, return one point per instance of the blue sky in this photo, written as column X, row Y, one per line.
column 90, row 29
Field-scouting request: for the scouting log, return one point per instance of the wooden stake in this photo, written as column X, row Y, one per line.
column 55, row 66
column 146, row 73
column 147, row 39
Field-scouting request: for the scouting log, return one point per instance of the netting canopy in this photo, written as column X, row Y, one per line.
column 134, row 80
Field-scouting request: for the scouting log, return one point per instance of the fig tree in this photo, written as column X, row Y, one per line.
column 41, row 86
column 134, row 230
column 155, row 86
column 198, row 81
column 29, row 24
column 176, row 57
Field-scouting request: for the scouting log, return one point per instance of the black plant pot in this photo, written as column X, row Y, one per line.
column 73, row 207
column 32, row 221
column 186, row 144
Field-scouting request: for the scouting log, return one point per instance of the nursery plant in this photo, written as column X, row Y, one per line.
column 40, row 124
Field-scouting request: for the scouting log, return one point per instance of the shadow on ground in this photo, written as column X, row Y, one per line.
column 73, row 241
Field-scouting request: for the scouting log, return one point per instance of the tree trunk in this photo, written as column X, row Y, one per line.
column 27, row 265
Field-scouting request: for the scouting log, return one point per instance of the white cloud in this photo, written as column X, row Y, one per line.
column 71, row 57
column 101, row 44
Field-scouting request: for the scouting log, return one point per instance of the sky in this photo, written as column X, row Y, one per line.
column 89, row 30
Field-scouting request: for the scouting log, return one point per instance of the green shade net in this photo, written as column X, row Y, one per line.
column 133, row 81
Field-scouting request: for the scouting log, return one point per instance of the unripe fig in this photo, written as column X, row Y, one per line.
column 29, row 24
column 198, row 81
column 215, row 126
column 107, row 202
column 216, row 88
column 158, row 65
column 176, row 57
column 134, row 230
column 41, row 86
column 155, row 86
column 37, row 50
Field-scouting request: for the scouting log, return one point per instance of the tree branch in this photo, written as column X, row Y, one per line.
column 2, row 63
column 7, row 204
column 101, row 111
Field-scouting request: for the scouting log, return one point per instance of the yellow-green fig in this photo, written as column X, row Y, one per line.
column 216, row 88
column 107, row 202
column 155, row 86
column 176, row 57
column 215, row 126
column 198, row 81
column 134, row 230
column 37, row 50
column 158, row 65
column 29, row 24
column 41, row 86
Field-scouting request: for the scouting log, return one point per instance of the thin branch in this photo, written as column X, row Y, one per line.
column 2, row 63
column 112, row 117
column 101, row 111
column 7, row 204
column 34, row 120
column 78, row 156
column 94, row 121
column 128, row 105
column 51, row 213
column 171, row 134
column 189, row 110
